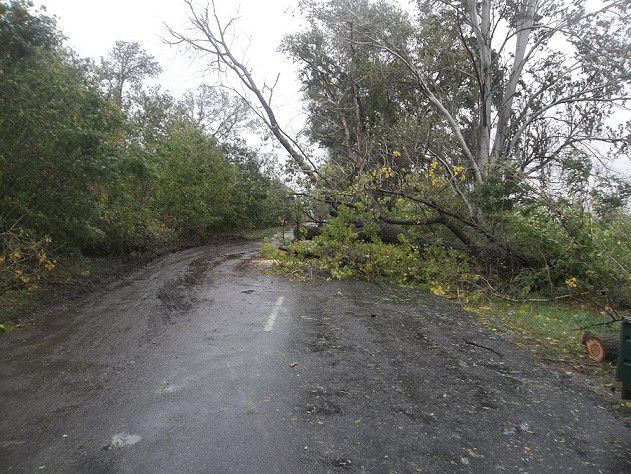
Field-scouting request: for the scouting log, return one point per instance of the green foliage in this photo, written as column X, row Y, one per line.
column 22, row 34
column 581, row 253
column 96, row 179
column 340, row 252
column 56, row 135
column 194, row 191
column 259, row 199
column 345, row 68
column 24, row 260
column 593, row 252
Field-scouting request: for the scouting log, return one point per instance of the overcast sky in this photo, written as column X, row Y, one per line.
column 92, row 26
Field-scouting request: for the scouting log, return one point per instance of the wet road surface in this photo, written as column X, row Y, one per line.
column 199, row 362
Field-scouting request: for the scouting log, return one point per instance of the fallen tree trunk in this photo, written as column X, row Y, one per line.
column 390, row 233
column 494, row 252
column 307, row 231
column 311, row 255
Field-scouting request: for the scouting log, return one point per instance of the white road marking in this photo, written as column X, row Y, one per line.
column 169, row 388
column 272, row 317
column 120, row 440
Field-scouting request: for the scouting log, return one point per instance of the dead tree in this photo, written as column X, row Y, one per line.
column 210, row 37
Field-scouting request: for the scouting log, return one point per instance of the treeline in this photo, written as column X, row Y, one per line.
column 95, row 161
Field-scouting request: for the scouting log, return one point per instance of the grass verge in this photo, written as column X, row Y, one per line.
column 551, row 331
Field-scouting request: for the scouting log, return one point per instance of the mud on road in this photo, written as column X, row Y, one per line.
column 199, row 361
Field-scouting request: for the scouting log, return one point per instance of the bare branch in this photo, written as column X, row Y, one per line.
column 213, row 41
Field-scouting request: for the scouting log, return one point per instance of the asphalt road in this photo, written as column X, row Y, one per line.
column 199, row 362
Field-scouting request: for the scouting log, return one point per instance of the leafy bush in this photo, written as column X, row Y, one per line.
column 341, row 253
column 592, row 253
column 24, row 260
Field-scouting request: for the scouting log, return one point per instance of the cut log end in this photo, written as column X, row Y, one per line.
column 595, row 349
column 600, row 348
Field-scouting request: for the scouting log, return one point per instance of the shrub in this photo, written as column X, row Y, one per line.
column 24, row 259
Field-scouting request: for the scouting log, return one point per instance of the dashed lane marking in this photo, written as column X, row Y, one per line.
column 274, row 314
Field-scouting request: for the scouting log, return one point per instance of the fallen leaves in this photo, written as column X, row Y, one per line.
column 473, row 453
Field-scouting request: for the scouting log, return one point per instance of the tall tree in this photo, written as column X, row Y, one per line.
column 537, row 66
column 456, row 114
column 353, row 90
column 127, row 65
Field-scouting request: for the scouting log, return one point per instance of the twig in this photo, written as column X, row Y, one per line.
column 483, row 347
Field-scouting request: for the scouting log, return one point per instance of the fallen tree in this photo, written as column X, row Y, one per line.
column 466, row 128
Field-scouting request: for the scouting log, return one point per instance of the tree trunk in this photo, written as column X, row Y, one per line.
column 523, row 29
column 481, row 24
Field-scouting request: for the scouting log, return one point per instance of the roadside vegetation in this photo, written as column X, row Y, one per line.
column 96, row 161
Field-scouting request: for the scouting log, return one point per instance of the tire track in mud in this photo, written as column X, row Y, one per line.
column 177, row 295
